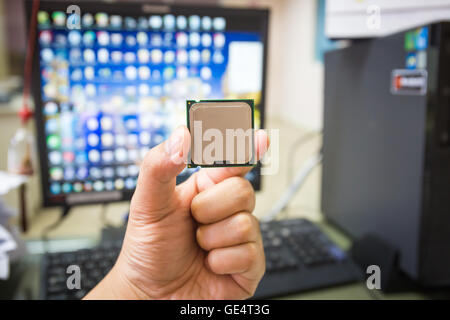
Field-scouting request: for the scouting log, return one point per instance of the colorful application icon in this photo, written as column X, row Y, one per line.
column 133, row 170
column 107, row 140
column 108, row 172
column 87, row 186
column 98, row 185
column 82, row 173
column 411, row 60
column 129, row 57
column 169, row 56
column 130, row 41
column 55, row 188
column 119, row 184
column 104, row 73
column 131, row 72
column 206, row 23
column 181, row 39
column 47, row 55
column 60, row 41
column 116, row 39
column 206, row 56
column 106, row 123
column 50, row 108
column 94, row 156
column 56, row 173
column 77, row 187
column 68, row 156
column 90, row 90
column 168, row 73
column 218, row 57
column 156, row 74
column 45, row 37
column 194, row 22
column 181, row 22
column 89, row 73
column 156, row 40
column 55, row 157
column 133, row 155
column 219, row 23
column 409, row 41
column 89, row 56
column 169, row 22
column 101, row 19
column 143, row 55
column 87, row 20
column 130, row 183
column 182, row 56
column 157, row 56
column 205, row 73
column 109, row 185
column 121, row 154
column 194, row 39
column 219, row 40
column 144, row 73
column 75, row 55
column 115, row 21
column 145, row 138
column 74, row 38
column 116, row 56
column 67, row 187
column 80, row 158
column 142, row 23
column 155, row 22
column 69, row 173
column 95, row 172
column 144, row 89
column 194, row 56
column 53, row 141
column 130, row 23
column 421, row 38
column 93, row 140
column 206, row 40
column 89, row 38
column 43, row 18
column 107, row 156
column 51, row 125
column 103, row 38
column 59, row 18
column 103, row 55
column 142, row 38
column 206, row 89
column 182, row 72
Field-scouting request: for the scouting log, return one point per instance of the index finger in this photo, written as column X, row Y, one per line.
column 211, row 176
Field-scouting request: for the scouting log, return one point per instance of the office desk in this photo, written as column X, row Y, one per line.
column 85, row 222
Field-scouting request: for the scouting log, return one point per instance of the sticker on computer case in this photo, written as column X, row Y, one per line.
column 409, row 82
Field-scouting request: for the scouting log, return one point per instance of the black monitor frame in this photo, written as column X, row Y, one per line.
column 242, row 19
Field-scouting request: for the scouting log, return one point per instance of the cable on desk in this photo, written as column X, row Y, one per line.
column 294, row 148
column 53, row 226
column 299, row 179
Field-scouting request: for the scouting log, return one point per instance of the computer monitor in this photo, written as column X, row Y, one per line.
column 111, row 81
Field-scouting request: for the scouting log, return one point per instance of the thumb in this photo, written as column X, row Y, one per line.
column 157, row 176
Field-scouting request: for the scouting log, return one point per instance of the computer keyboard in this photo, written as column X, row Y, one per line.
column 299, row 257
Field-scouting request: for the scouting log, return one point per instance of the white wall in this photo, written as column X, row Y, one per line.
column 294, row 77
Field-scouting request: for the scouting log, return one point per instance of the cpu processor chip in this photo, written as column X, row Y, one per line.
column 222, row 133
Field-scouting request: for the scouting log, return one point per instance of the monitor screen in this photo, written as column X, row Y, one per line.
column 111, row 81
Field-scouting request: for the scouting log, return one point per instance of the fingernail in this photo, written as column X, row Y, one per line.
column 175, row 144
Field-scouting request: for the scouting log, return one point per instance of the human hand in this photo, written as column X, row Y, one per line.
column 197, row 240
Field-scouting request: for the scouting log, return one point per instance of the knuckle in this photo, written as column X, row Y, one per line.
column 252, row 253
column 245, row 192
column 245, row 226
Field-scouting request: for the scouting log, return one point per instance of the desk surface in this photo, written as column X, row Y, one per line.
column 86, row 221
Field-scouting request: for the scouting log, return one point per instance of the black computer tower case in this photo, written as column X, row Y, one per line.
column 386, row 146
